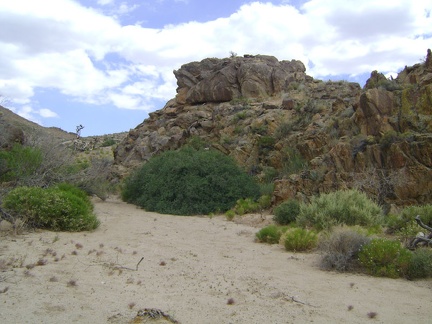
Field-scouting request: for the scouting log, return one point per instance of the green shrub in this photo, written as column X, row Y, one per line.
column 247, row 205
column 108, row 142
column 404, row 224
column 270, row 234
column 421, row 264
column 54, row 208
column 189, row 182
column 299, row 239
column 230, row 214
column 349, row 207
column 19, row 162
column 340, row 249
column 385, row 258
column 265, row 201
column 286, row 212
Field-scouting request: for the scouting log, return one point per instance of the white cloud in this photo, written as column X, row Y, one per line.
column 47, row 113
column 82, row 53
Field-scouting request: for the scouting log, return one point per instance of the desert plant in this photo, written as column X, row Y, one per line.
column 300, row 239
column 19, row 162
column 270, row 234
column 421, row 264
column 188, row 182
column 404, row 225
column 230, row 214
column 349, row 207
column 385, row 258
column 246, row 205
column 52, row 208
column 286, row 212
column 340, row 249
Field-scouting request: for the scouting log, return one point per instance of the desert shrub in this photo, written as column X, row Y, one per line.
column 286, row 212
column 421, row 264
column 246, row 205
column 53, row 208
column 230, row 214
column 188, row 182
column 270, row 234
column 265, row 201
column 404, row 225
column 385, row 258
column 19, row 162
column 108, row 142
column 340, row 249
column 300, row 239
column 349, row 207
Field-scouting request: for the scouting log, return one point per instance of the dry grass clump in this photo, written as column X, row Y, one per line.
column 71, row 283
column 340, row 249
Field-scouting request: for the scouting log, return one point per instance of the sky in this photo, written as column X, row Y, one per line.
column 105, row 64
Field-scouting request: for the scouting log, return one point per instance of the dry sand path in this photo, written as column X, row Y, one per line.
column 191, row 267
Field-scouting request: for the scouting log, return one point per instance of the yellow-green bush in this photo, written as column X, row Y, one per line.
column 300, row 239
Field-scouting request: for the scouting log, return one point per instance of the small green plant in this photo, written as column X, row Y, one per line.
column 286, row 212
column 385, row 258
column 349, row 207
column 270, row 234
column 340, row 249
column 292, row 161
column 421, row 264
column 230, row 214
column 299, row 239
column 247, row 205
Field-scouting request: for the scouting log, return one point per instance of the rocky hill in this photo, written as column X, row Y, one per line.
column 305, row 135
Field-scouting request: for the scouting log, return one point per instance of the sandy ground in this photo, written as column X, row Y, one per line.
column 191, row 267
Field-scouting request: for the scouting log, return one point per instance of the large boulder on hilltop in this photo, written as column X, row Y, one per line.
column 221, row 80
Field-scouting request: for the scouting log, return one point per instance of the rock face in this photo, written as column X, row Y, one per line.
column 305, row 135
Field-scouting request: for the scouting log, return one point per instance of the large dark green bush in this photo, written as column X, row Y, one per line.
column 286, row 212
column 189, row 182
column 62, row 208
column 349, row 207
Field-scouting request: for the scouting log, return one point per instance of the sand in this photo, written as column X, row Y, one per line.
column 194, row 269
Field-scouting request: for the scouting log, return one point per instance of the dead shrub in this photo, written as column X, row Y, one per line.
column 340, row 249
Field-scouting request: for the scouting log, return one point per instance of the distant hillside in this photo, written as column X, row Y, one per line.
column 14, row 128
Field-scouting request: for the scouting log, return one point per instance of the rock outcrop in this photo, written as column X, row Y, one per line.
column 305, row 135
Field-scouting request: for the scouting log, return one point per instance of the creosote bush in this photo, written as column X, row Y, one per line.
column 385, row 258
column 286, row 212
column 340, row 249
column 300, row 239
column 348, row 207
column 61, row 208
column 189, row 182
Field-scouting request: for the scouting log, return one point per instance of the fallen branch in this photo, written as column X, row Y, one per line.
column 295, row 300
